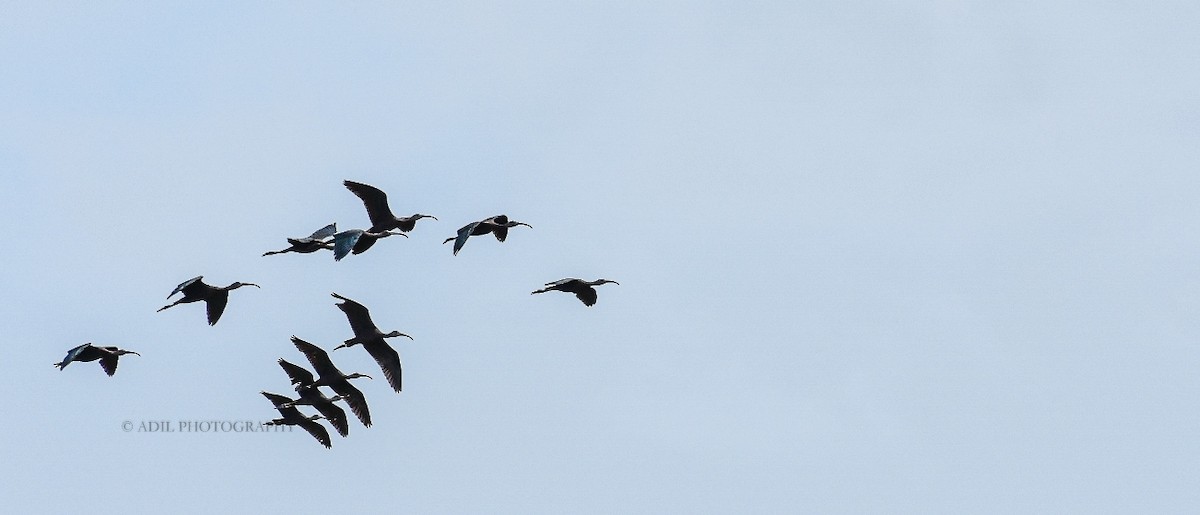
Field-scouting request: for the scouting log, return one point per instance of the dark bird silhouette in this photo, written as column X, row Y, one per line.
column 371, row 338
column 497, row 225
column 357, row 241
column 87, row 352
column 292, row 417
column 581, row 288
column 195, row 290
column 312, row 396
column 314, row 242
column 376, row 202
column 330, row 376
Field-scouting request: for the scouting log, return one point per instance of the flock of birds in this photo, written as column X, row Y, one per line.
column 366, row 334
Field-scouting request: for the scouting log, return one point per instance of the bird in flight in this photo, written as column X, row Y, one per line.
column 367, row 334
column 376, row 202
column 497, row 225
column 108, row 356
column 581, row 288
column 195, row 290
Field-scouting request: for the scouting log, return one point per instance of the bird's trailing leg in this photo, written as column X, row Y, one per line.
column 171, row 305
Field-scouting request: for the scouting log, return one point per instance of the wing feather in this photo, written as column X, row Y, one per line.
column 587, row 294
column 72, row 355
column 388, row 360
column 355, row 399
column 108, row 361
column 343, row 242
column 376, row 202
column 185, row 284
column 317, row 357
column 216, row 306
column 317, row 430
column 463, row 234
column 358, row 315
column 298, row 374
column 324, row 232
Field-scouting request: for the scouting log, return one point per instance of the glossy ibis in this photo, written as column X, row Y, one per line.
column 330, row 376
column 195, row 290
column 497, row 225
column 292, row 417
column 108, row 356
column 357, row 241
column 314, row 242
column 581, row 288
column 376, row 202
column 371, row 338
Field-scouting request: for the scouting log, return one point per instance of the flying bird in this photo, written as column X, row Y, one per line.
column 195, row 290
column 329, row 376
column 292, row 417
column 314, row 242
column 372, row 339
column 312, row 396
column 357, row 241
column 581, row 288
column 497, row 225
column 108, row 356
column 376, row 202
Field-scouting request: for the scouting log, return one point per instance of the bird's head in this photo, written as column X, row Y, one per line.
column 237, row 285
column 122, row 352
column 394, row 334
column 604, row 281
column 419, row 216
column 357, row 375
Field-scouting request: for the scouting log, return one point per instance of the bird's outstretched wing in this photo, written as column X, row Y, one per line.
column 357, row 314
column 317, row 430
column 71, row 355
column 336, row 417
column 501, row 232
column 108, row 361
column 216, row 306
column 185, row 284
column 355, row 399
column 324, row 232
column 277, row 400
column 317, row 357
column 298, row 374
column 376, row 202
column 587, row 294
column 388, row 359
column 463, row 234
column 343, row 242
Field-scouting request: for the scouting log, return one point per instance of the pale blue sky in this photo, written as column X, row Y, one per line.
column 917, row 257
